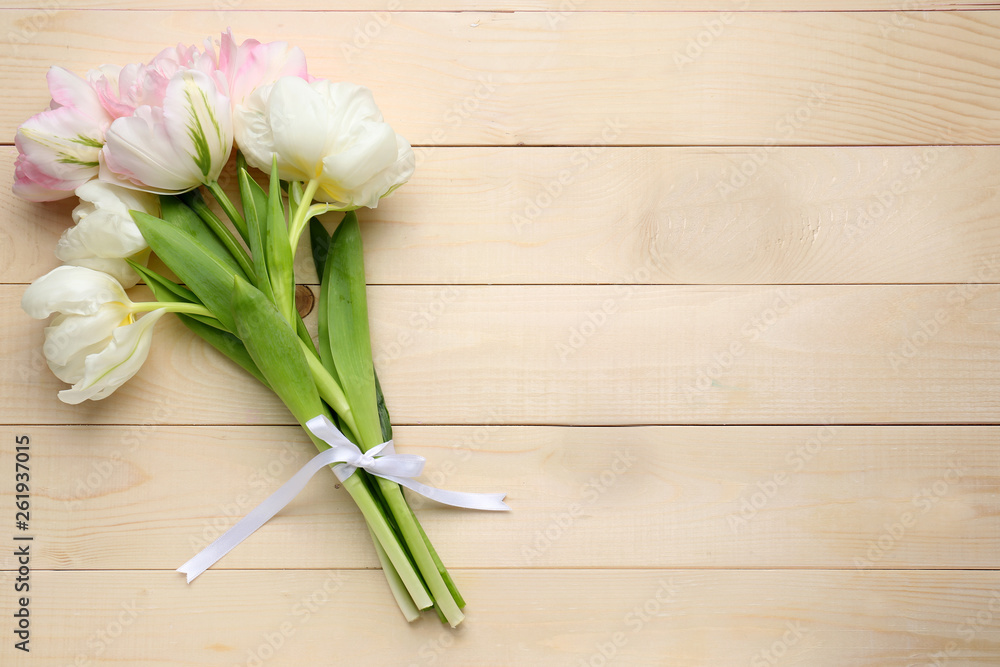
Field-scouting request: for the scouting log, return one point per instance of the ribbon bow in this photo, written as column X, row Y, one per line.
column 381, row 460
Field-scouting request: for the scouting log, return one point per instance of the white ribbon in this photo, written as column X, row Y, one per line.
column 399, row 468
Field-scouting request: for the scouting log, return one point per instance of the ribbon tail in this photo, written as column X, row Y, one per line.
column 260, row 515
column 491, row 502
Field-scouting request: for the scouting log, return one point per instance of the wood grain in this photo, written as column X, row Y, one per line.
column 600, row 78
column 554, row 10
column 594, row 355
column 818, row 618
column 732, row 497
column 647, row 215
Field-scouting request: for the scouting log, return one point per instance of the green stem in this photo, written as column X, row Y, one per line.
column 172, row 307
column 224, row 235
column 394, row 551
column 443, row 598
column 302, row 216
column 227, row 206
column 396, row 585
column 329, row 389
column 449, row 582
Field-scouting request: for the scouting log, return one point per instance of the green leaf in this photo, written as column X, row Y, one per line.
column 347, row 333
column 162, row 286
column 194, row 199
column 165, row 289
column 200, row 269
column 224, row 342
column 255, row 210
column 383, row 412
column 276, row 351
column 280, row 258
column 319, row 240
column 182, row 216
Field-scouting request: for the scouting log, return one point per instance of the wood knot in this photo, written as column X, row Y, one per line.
column 304, row 300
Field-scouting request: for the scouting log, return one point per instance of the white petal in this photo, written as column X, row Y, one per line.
column 109, row 369
column 71, row 289
column 68, row 334
column 253, row 132
column 72, row 372
column 116, row 268
column 299, row 120
column 104, row 228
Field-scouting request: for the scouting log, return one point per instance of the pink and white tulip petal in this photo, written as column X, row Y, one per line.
column 177, row 147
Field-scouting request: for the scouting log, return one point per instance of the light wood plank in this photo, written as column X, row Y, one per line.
column 647, row 215
column 733, row 497
column 555, row 10
column 595, row 355
column 621, row 78
column 516, row 617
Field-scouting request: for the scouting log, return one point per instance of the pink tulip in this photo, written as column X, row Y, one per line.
column 58, row 148
column 251, row 64
column 173, row 148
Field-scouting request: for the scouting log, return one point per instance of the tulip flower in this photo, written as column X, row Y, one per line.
column 105, row 234
column 173, row 148
column 58, row 148
column 250, row 65
column 95, row 342
column 330, row 136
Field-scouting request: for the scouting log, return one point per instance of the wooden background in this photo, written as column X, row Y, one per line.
column 710, row 288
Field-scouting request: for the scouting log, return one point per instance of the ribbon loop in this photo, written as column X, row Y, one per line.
column 346, row 458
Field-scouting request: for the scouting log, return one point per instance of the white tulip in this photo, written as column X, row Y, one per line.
column 331, row 134
column 94, row 343
column 113, row 366
column 74, row 290
column 105, row 234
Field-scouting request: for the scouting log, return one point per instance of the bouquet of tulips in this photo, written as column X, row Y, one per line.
column 143, row 147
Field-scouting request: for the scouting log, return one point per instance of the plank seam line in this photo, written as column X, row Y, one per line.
column 984, row 424
column 707, row 568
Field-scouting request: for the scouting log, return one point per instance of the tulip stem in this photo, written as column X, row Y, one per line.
column 200, row 207
column 227, row 206
column 172, row 307
column 330, row 389
column 302, row 216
